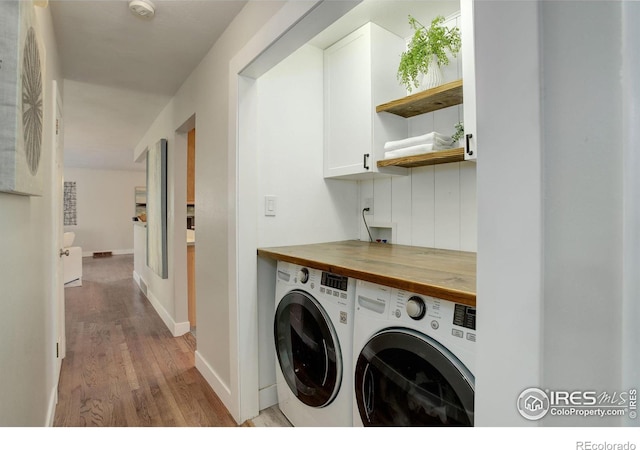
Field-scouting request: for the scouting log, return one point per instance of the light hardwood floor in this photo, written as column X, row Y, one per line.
column 123, row 368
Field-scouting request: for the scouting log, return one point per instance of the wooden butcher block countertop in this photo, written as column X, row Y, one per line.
column 445, row 274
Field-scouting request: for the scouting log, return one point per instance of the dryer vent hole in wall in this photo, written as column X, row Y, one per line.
column 102, row 254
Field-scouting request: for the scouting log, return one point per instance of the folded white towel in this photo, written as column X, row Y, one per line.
column 429, row 138
column 409, row 151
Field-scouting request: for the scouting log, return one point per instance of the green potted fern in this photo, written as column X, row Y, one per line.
column 427, row 52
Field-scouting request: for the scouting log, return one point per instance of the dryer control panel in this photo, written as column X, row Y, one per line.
column 464, row 316
column 335, row 281
column 438, row 317
column 331, row 287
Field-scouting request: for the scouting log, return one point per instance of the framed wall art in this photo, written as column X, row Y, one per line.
column 21, row 99
column 70, row 214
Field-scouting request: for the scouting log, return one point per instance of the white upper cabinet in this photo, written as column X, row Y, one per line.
column 469, row 76
column 360, row 73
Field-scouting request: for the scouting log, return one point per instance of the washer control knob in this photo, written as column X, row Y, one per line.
column 416, row 308
column 303, row 275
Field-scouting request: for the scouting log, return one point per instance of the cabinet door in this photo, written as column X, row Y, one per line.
column 348, row 110
column 360, row 72
column 469, row 79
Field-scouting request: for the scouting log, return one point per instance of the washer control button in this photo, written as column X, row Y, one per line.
column 416, row 308
column 435, row 325
column 398, row 313
column 471, row 337
column 457, row 333
column 303, row 275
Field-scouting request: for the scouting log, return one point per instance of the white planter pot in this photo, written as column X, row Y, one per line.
column 433, row 77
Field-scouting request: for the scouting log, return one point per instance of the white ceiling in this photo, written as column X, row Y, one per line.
column 121, row 70
column 389, row 14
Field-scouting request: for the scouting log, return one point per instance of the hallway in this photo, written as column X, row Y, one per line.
column 123, row 368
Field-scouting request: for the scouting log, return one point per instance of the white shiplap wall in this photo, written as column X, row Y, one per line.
column 433, row 206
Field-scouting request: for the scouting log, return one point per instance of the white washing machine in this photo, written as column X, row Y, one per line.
column 313, row 331
column 413, row 359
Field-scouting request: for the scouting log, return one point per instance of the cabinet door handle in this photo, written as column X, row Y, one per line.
column 466, row 144
column 365, row 161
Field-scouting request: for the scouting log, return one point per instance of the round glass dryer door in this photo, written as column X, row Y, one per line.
column 404, row 378
column 308, row 349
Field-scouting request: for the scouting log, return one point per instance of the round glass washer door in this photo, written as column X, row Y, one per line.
column 308, row 349
column 405, row 378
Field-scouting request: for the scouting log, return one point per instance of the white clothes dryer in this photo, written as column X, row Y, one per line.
column 413, row 359
column 313, row 332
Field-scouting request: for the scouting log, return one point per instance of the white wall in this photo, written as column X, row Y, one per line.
column 27, row 356
column 140, row 268
column 105, row 207
column 206, row 94
column 433, row 206
column 309, row 208
column 509, row 182
column 553, row 234
column 168, row 295
column 631, row 208
column 583, row 199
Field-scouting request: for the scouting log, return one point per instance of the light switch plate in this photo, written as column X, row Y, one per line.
column 270, row 205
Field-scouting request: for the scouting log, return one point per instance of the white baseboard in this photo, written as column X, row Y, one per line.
column 176, row 328
column 142, row 284
column 181, row 328
column 51, row 409
column 219, row 387
column 268, row 397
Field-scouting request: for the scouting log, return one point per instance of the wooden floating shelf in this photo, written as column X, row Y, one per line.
column 448, row 94
column 425, row 159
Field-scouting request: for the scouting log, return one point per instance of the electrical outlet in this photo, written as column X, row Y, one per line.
column 368, row 203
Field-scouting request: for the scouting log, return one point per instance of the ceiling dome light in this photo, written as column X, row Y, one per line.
column 142, row 8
